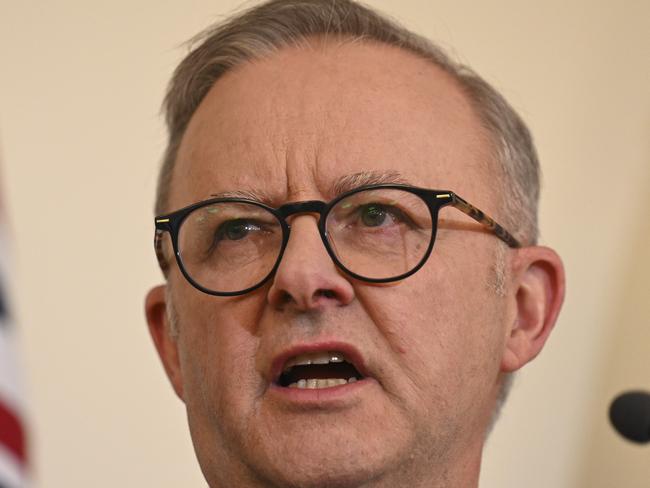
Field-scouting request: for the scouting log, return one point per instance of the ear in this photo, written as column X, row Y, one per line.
column 536, row 295
column 167, row 345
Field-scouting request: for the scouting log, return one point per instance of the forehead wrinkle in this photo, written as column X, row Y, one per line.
column 304, row 150
column 340, row 185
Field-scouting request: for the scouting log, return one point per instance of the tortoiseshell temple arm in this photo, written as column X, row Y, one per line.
column 486, row 220
column 158, row 246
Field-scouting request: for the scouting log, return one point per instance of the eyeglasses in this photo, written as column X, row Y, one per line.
column 376, row 233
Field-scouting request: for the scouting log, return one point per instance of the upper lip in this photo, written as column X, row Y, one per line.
column 351, row 353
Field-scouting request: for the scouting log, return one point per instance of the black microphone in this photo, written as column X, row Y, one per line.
column 630, row 415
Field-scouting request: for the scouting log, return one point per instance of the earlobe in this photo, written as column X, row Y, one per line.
column 537, row 294
column 166, row 344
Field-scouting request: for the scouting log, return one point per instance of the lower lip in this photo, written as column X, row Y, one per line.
column 333, row 396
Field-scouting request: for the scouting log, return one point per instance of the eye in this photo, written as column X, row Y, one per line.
column 235, row 230
column 378, row 215
column 373, row 215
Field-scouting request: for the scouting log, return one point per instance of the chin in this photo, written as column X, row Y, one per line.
column 323, row 470
column 322, row 457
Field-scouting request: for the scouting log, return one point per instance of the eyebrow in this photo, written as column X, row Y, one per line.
column 363, row 178
column 342, row 185
column 256, row 194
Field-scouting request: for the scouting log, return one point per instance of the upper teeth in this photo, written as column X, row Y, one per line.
column 321, row 357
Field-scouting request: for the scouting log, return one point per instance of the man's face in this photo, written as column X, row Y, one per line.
column 290, row 128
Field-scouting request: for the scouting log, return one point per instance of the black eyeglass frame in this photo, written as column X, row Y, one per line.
column 435, row 200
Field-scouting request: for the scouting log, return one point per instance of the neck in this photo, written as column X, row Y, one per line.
column 461, row 471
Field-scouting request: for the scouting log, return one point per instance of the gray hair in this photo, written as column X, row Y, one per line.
column 277, row 24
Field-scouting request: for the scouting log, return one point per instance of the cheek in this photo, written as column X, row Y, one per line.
column 218, row 347
column 441, row 324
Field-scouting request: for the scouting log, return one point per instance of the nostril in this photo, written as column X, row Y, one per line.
column 325, row 293
column 284, row 298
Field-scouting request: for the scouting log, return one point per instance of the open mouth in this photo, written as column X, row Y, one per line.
column 324, row 369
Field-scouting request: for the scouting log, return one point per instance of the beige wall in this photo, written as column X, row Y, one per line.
column 80, row 87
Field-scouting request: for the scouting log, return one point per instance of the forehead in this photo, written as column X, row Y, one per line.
column 289, row 125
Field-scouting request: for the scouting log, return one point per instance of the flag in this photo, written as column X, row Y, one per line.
column 13, row 453
column 13, row 449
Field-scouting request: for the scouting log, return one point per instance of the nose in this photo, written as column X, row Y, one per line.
column 307, row 279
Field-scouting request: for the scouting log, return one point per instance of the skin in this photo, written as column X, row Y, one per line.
column 437, row 344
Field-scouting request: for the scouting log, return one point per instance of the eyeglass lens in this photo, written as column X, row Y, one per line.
column 376, row 233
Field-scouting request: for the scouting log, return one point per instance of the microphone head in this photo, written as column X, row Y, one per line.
column 630, row 415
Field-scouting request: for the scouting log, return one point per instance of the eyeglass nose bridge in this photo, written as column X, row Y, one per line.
column 309, row 206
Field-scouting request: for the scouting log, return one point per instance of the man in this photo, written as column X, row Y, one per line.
column 314, row 334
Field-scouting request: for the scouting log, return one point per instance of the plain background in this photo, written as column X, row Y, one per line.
column 80, row 89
